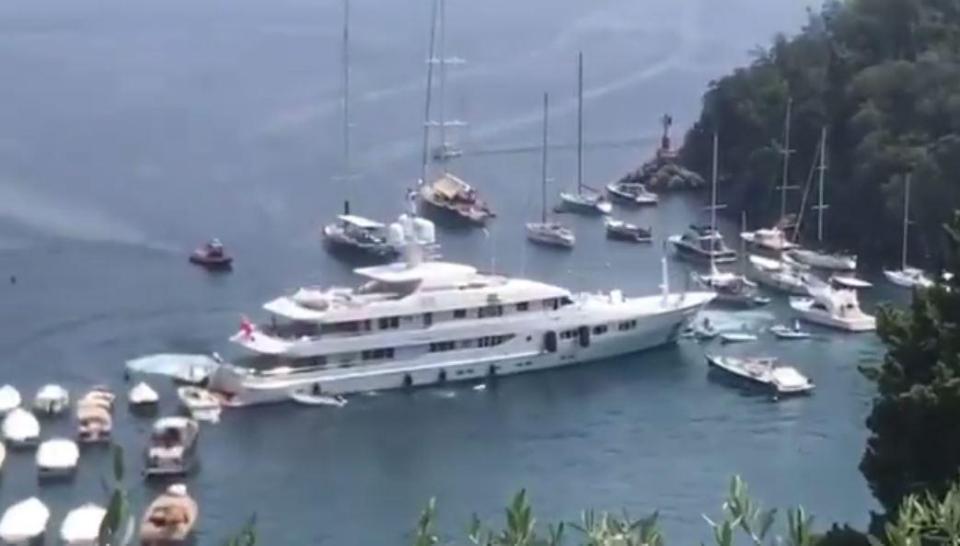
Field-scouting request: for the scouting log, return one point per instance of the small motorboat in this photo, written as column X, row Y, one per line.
column 836, row 308
column 313, row 397
column 94, row 423
column 737, row 337
column 170, row 518
column 480, row 387
column 212, row 256
column 24, row 522
column 21, row 428
column 99, row 396
column 762, row 372
column 173, row 446
column 51, row 400
column 9, row 399
column 623, row 231
column 81, row 527
column 201, row 403
column 632, row 193
column 908, row 277
column 142, row 395
column 57, row 458
column 551, row 234
column 782, row 331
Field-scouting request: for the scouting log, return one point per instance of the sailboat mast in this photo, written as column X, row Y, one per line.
column 580, row 122
column 786, row 161
column 441, row 53
column 823, row 169
column 713, row 197
column 346, row 88
column 543, row 161
column 425, row 158
column 906, row 222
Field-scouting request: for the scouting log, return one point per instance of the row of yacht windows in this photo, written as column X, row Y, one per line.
column 486, row 341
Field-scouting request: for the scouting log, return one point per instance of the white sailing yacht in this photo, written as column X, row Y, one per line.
column 544, row 232
column 907, row 276
column 350, row 231
column 447, row 194
column 775, row 238
column 420, row 322
column 819, row 258
column 590, row 201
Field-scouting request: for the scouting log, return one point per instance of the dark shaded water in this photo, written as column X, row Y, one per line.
column 131, row 131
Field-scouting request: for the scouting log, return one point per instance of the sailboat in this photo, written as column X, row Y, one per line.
column 350, row 231
column 731, row 288
column 447, row 194
column 817, row 258
column 544, row 232
column 775, row 238
column 907, row 276
column 590, row 201
column 705, row 242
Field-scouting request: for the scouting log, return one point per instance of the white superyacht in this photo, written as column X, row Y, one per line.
column 420, row 322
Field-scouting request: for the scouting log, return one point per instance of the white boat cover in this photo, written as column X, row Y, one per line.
column 185, row 367
column 24, row 521
column 58, row 454
column 50, row 396
column 9, row 398
column 787, row 377
column 142, row 393
column 20, row 425
column 82, row 525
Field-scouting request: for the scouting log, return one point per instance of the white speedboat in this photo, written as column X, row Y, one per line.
column 173, row 447
column 51, row 400
column 142, row 394
column 777, row 274
column 201, row 403
column 9, row 398
column 824, row 260
column 836, row 308
column 24, row 522
column 624, row 231
column 94, row 423
column 585, row 203
column 632, row 193
column 551, row 234
column 908, row 277
column 57, row 458
column 314, row 397
column 21, row 428
column 849, row 281
column 782, row 331
column 420, row 322
column 81, row 527
column 737, row 337
column 765, row 373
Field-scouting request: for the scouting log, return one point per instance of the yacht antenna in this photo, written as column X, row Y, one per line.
column 425, row 157
column 543, row 161
column 579, row 122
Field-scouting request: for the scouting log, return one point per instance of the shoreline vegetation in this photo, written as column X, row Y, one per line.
column 883, row 77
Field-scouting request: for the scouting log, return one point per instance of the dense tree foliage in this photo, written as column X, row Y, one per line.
column 884, row 77
column 915, row 423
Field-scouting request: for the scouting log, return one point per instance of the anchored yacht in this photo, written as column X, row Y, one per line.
column 836, row 308
column 419, row 322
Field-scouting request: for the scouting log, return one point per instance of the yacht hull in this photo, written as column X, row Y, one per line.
column 528, row 351
column 692, row 253
column 839, row 262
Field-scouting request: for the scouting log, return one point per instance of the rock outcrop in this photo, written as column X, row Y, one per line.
column 663, row 173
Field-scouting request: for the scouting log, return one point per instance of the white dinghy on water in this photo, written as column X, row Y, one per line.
column 51, row 400
column 81, row 527
column 9, row 399
column 57, row 458
column 21, row 428
column 201, row 403
column 313, row 397
column 142, row 395
column 24, row 522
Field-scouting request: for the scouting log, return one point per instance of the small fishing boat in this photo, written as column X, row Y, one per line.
column 313, row 397
column 782, row 331
column 212, row 255
column 623, row 231
column 631, row 193
column 51, row 400
column 21, row 428
column 9, row 399
column 81, row 527
column 94, row 423
column 173, row 447
column 170, row 518
column 57, row 458
column 142, row 395
column 762, row 372
column 201, row 403
column 737, row 337
column 24, row 522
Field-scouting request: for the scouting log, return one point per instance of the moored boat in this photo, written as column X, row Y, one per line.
column 547, row 232
column 631, row 193
column 9, row 399
column 21, row 428
column 57, row 458
column 81, row 527
column 452, row 195
column 143, row 395
column 51, row 400
column 779, row 275
column 702, row 243
column 782, row 331
column 359, row 234
column 824, row 260
column 94, row 423
column 173, row 447
column 582, row 202
column 170, row 518
column 907, row 276
column 737, row 337
column 765, row 373
column 624, row 231
column 24, row 522
column 201, row 403
column 836, row 308
column 212, row 255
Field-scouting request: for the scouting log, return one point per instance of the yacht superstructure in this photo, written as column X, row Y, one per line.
column 419, row 323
